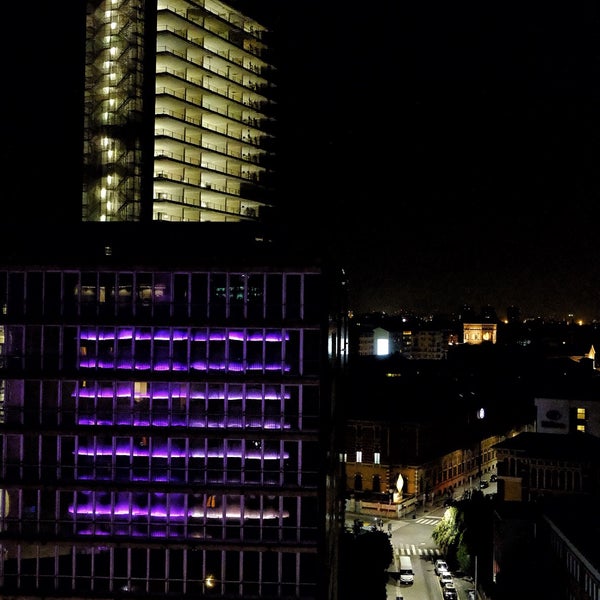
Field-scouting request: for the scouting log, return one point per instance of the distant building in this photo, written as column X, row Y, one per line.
column 560, row 415
column 374, row 342
column 419, row 341
column 531, row 465
column 429, row 344
column 479, row 333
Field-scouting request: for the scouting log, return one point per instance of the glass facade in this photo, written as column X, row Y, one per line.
column 160, row 432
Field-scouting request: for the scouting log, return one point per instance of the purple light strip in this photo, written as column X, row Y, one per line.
column 127, row 510
column 162, row 391
column 97, row 363
column 163, row 452
column 206, row 423
column 183, row 335
column 165, row 479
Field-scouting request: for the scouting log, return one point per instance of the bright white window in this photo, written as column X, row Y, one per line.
column 377, row 458
column 383, row 347
column 359, row 456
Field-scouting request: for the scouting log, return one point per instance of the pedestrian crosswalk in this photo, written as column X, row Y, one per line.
column 412, row 550
column 428, row 520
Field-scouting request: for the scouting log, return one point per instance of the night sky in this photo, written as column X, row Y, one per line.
column 448, row 150
column 463, row 145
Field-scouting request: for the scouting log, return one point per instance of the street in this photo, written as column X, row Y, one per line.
column 411, row 536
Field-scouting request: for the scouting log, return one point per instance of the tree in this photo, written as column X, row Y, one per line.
column 364, row 561
column 465, row 532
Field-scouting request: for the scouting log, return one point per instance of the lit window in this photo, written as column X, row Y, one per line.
column 581, row 414
column 383, row 347
column 377, row 458
column 359, row 456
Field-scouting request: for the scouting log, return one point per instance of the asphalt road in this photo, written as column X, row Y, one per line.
column 411, row 536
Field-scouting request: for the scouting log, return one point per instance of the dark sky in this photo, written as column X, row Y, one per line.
column 463, row 145
column 449, row 150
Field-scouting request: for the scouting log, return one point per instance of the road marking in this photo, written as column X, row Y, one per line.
column 412, row 550
column 429, row 520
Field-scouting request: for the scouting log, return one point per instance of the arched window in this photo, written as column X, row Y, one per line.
column 376, row 483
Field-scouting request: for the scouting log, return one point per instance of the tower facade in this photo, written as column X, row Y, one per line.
column 179, row 112
column 167, row 415
column 166, row 420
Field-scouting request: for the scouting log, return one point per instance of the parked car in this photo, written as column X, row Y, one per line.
column 483, row 484
column 493, row 477
column 446, row 577
column 449, row 591
column 440, row 566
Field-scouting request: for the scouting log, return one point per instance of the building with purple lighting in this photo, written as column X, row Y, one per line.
column 166, row 419
column 168, row 363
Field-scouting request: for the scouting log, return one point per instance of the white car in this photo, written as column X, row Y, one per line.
column 449, row 592
column 440, row 566
column 446, row 577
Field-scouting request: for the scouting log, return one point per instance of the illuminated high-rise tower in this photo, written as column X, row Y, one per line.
column 179, row 112
column 167, row 423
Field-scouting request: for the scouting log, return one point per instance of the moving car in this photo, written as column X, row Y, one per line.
column 440, row 566
column 446, row 577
